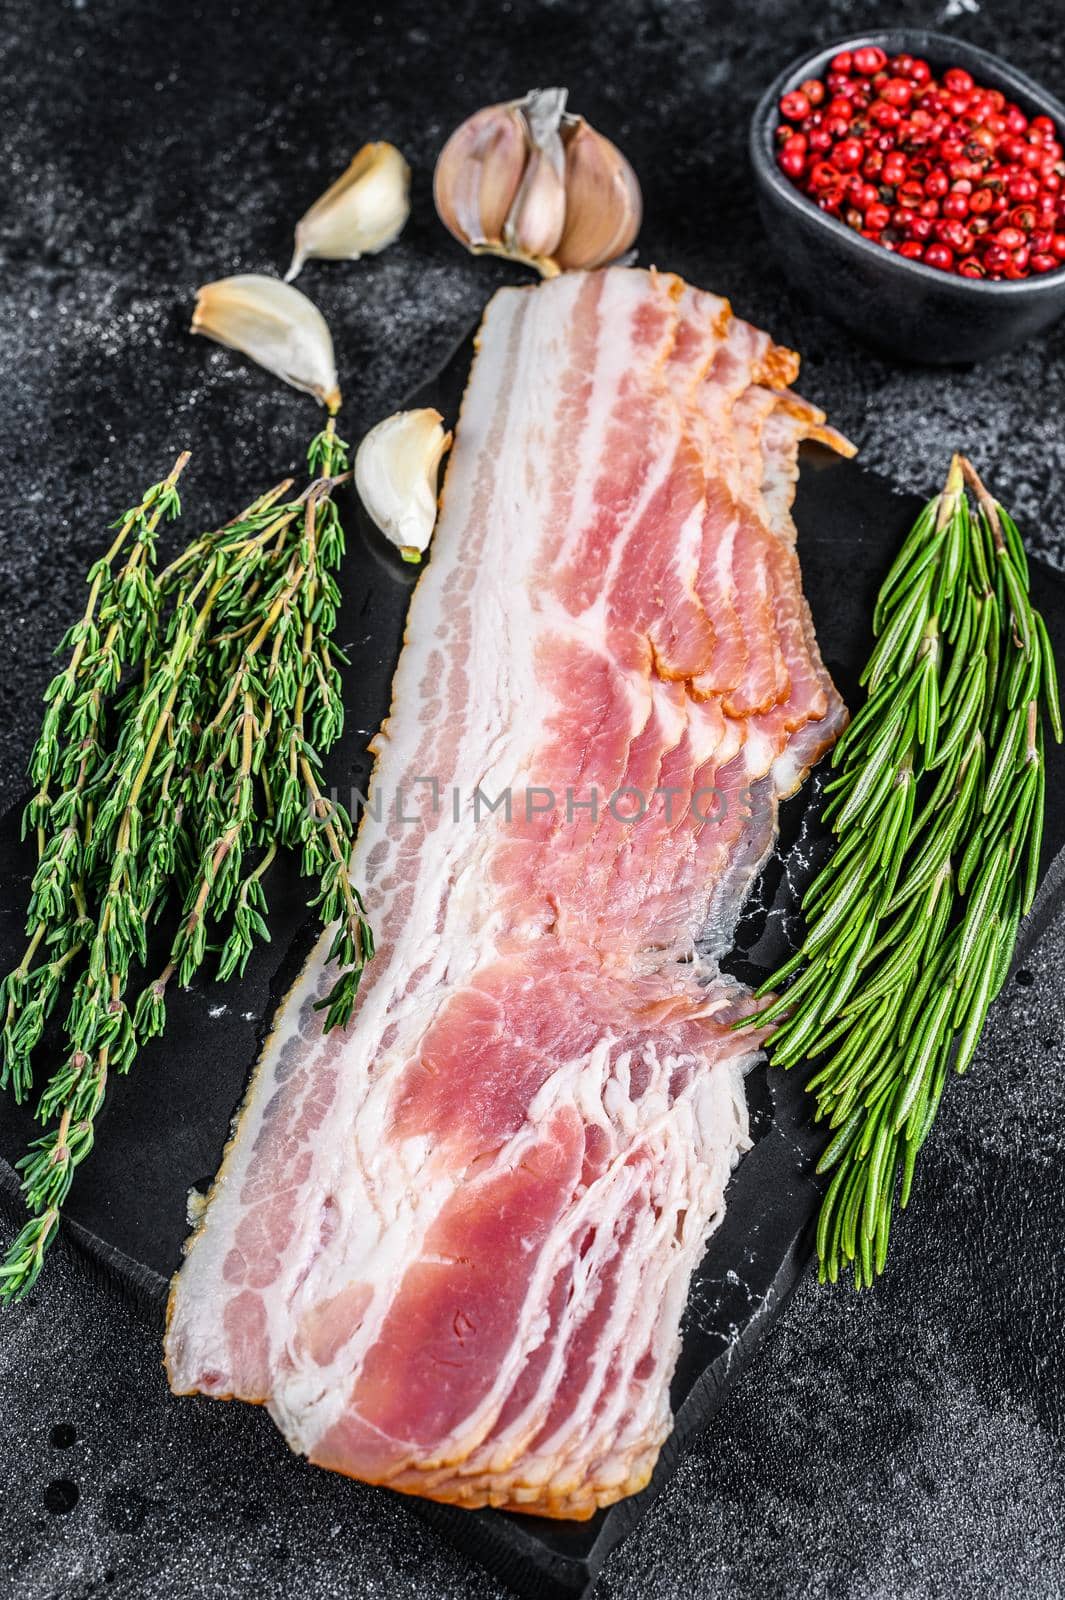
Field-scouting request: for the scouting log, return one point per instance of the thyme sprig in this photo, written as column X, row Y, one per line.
column 936, row 804
column 181, row 749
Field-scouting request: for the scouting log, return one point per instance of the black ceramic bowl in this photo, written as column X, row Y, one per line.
column 903, row 308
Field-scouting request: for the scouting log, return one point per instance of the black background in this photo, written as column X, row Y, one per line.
column 905, row 1442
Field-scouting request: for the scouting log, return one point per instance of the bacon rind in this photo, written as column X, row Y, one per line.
column 450, row 1249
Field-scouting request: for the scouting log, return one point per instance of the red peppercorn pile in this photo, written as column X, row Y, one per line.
column 938, row 169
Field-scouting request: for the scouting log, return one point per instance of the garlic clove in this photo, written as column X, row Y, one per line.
column 274, row 324
column 534, row 227
column 538, row 213
column 478, row 175
column 396, row 471
column 362, row 212
column 604, row 206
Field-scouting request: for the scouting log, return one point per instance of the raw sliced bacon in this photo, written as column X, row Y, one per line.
column 450, row 1249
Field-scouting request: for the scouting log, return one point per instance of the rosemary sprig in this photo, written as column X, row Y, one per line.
column 937, row 805
column 181, row 749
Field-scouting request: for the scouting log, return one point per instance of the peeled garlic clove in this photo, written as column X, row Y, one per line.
column 396, row 469
column 604, row 206
column 479, row 173
column 361, row 213
column 276, row 326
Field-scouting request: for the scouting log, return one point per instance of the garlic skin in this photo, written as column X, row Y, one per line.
column 530, row 181
column 396, row 470
column 358, row 215
column 274, row 324
column 604, row 205
column 478, row 174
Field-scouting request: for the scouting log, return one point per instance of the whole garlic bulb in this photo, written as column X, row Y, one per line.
column 530, row 181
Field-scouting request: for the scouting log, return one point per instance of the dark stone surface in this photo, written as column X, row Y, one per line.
column 908, row 1442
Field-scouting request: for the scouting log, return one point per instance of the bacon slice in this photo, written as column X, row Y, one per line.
column 450, row 1249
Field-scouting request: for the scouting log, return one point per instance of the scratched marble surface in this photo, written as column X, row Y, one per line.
column 906, row 1442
